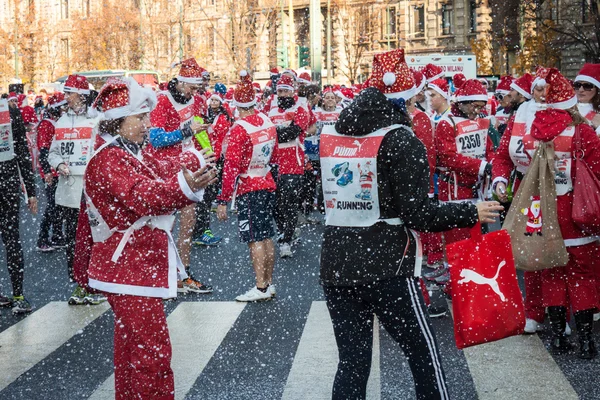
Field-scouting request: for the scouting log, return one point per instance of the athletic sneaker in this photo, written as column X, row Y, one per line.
column 192, row 285
column 254, row 295
column 285, row 250
column 436, row 273
column 44, row 248
column 272, row 290
column 207, row 239
column 436, row 312
column 94, row 298
column 20, row 305
column 78, row 296
column 5, row 301
column 532, row 326
column 443, row 279
column 181, row 288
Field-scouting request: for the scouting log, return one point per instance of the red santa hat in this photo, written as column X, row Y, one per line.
column 291, row 72
column 420, row 81
column 327, row 90
column 471, row 90
column 440, row 86
column 56, row 100
column 256, row 87
column 244, row 94
column 304, row 78
column 214, row 96
column 432, row 72
column 285, row 82
column 190, row 72
column 540, row 77
column 458, row 80
column 391, row 75
column 122, row 97
column 12, row 96
column 504, row 84
column 523, row 85
column 22, row 100
column 560, row 94
column 269, row 84
column 274, row 72
column 589, row 73
column 229, row 95
column 77, row 84
column 347, row 93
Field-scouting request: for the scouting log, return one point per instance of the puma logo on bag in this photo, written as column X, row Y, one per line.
column 472, row 276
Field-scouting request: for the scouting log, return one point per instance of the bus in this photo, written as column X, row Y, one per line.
column 451, row 64
column 98, row 78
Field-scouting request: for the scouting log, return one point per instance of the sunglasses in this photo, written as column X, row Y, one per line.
column 585, row 85
column 499, row 96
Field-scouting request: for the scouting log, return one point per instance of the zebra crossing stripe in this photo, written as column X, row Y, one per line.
column 31, row 340
column 315, row 363
column 196, row 329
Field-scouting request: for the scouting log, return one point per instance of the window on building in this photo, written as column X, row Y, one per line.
column 419, row 21
column 586, row 11
column 64, row 9
column 389, row 23
column 64, row 49
column 472, row 16
column 86, row 8
column 553, row 6
column 447, row 19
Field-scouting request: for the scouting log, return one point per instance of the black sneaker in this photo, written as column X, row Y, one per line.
column 5, row 301
column 21, row 305
column 436, row 312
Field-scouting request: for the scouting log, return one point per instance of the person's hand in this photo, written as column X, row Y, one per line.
column 64, row 170
column 49, row 178
column 488, row 211
column 210, row 159
column 222, row 212
column 201, row 178
column 501, row 192
column 33, row 205
column 198, row 127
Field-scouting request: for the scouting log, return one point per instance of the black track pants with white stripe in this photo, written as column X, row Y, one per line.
column 399, row 305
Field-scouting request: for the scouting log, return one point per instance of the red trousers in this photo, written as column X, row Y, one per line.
column 534, row 301
column 142, row 354
column 574, row 284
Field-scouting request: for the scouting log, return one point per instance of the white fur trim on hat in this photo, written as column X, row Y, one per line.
column 216, row 97
column 439, row 90
column 288, row 87
column 520, row 90
column 141, row 100
column 68, row 89
column 304, row 81
column 11, row 98
column 587, row 78
column 407, row 94
column 56, row 105
column 433, row 78
column 245, row 105
column 538, row 82
column 196, row 81
column 389, row 78
column 420, row 88
column 472, row 97
column 502, row 91
column 564, row 105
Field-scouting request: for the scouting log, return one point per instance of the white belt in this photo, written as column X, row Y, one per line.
column 162, row 222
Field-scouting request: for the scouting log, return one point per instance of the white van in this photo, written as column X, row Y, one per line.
column 451, row 64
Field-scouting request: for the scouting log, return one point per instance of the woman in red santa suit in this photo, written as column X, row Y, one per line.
column 572, row 286
column 131, row 198
column 504, row 110
column 587, row 88
column 173, row 130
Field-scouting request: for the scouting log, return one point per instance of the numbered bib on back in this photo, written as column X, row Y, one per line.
column 7, row 147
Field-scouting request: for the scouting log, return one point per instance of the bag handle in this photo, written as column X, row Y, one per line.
column 476, row 232
column 578, row 154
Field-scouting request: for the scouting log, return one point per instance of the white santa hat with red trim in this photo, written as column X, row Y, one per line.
column 391, row 75
column 190, row 72
column 441, row 87
column 471, row 90
column 560, row 93
column 244, row 95
column 523, row 85
column 122, row 97
column 589, row 73
column 77, row 84
column 285, row 82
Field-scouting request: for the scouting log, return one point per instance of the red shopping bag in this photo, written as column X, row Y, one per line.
column 486, row 300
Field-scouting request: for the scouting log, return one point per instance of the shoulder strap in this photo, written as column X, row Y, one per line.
column 578, row 153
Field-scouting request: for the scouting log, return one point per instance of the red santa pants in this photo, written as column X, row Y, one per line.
column 433, row 246
column 142, row 354
column 575, row 283
column 534, row 304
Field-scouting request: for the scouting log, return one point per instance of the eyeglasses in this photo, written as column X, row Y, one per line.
column 585, row 85
column 499, row 96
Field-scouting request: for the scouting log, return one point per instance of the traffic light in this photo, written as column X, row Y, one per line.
column 282, row 57
column 303, row 56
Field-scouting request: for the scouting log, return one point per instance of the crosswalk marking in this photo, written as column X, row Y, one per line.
column 29, row 341
column 315, row 363
column 196, row 329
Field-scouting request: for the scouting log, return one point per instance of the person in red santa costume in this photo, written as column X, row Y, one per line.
column 291, row 121
column 439, row 99
column 510, row 164
column 173, row 130
column 249, row 184
column 587, row 87
column 131, row 197
column 45, row 134
column 504, row 110
column 572, row 286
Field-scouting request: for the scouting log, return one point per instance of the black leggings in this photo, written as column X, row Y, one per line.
column 70, row 217
column 287, row 205
column 309, row 190
column 398, row 304
column 203, row 207
column 10, row 200
column 51, row 219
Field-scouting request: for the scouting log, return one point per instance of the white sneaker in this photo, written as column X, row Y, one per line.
column 254, row 295
column 531, row 326
column 568, row 330
column 272, row 290
column 596, row 317
column 285, row 250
